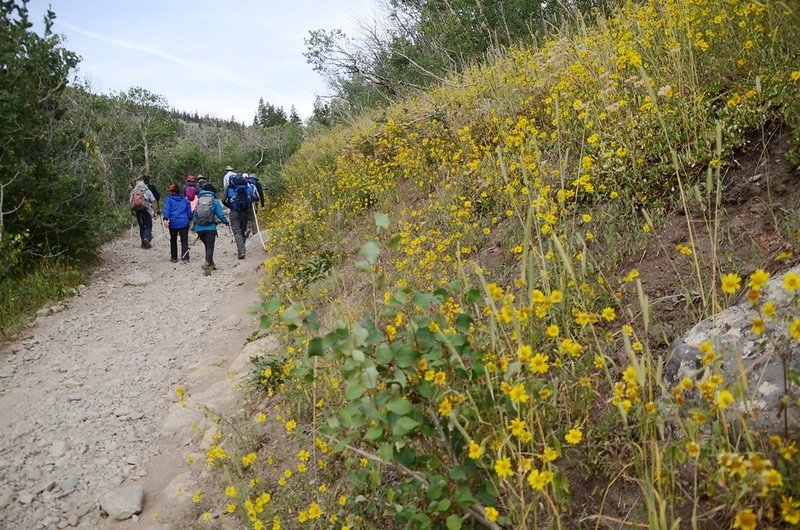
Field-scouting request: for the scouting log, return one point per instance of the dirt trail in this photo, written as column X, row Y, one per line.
column 87, row 400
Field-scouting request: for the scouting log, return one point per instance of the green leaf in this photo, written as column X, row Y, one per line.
column 371, row 251
column 404, row 425
column 374, row 434
column 363, row 266
column 422, row 300
column 370, row 377
column 400, row 406
column 400, row 378
column 383, row 354
column 271, row 306
column 386, row 452
column 401, row 296
column 405, row 356
column 461, row 472
column 312, row 321
column 427, row 389
column 464, row 496
column 463, row 322
column 291, row 316
column 453, row 522
column 315, row 348
column 394, row 243
column 442, row 506
column 381, row 220
column 360, row 334
column 358, row 356
column 354, row 390
column 473, row 296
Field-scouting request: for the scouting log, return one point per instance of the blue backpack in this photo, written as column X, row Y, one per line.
column 240, row 193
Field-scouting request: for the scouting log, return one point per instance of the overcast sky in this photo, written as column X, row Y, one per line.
column 214, row 57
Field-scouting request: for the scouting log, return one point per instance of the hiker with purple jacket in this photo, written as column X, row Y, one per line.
column 176, row 215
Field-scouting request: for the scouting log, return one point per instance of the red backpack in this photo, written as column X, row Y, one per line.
column 138, row 201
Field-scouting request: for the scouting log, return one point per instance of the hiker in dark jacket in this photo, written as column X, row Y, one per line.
column 177, row 214
column 207, row 231
column 153, row 190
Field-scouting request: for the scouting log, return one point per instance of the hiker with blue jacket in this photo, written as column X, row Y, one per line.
column 206, row 214
column 238, row 197
column 176, row 215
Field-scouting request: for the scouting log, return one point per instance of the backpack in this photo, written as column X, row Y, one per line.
column 189, row 185
column 204, row 212
column 240, row 193
column 138, row 201
column 255, row 186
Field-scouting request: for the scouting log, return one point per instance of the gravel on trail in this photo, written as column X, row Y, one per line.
column 86, row 390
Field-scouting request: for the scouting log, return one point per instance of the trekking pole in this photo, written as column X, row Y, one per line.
column 255, row 218
column 189, row 247
column 230, row 231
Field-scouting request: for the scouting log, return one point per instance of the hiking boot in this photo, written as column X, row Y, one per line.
column 173, row 260
column 185, row 260
column 206, row 268
column 213, row 265
column 146, row 243
column 241, row 256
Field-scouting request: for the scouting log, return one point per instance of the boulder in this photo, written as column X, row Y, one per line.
column 123, row 503
column 760, row 360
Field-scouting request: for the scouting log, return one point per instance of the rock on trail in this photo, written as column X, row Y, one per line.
column 85, row 394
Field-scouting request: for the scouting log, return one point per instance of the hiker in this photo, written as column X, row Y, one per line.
column 141, row 203
column 208, row 210
column 189, row 183
column 201, row 182
column 191, row 196
column 238, row 196
column 258, row 198
column 153, row 190
column 176, row 215
column 226, row 179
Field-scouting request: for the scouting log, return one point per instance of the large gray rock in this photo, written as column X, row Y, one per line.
column 760, row 359
column 123, row 503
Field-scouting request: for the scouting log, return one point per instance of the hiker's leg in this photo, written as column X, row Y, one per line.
column 147, row 222
column 173, row 244
column 244, row 220
column 140, row 222
column 238, row 234
column 211, row 237
column 184, row 233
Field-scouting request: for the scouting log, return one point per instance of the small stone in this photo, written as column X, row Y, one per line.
column 72, row 520
column 25, row 497
column 5, row 499
column 69, row 485
column 47, row 485
column 137, row 279
column 58, row 448
column 123, row 503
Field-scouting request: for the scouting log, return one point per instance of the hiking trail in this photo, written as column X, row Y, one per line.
column 87, row 400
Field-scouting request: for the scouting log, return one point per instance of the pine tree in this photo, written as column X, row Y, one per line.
column 294, row 117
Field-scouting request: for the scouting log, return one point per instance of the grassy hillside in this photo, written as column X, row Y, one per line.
column 484, row 352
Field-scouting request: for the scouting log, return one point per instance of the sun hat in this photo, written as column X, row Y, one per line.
column 190, row 178
column 173, row 188
column 228, row 168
